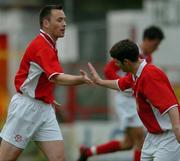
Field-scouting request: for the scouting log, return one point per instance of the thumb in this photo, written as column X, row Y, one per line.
column 82, row 72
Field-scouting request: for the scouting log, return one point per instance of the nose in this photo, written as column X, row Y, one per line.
column 64, row 23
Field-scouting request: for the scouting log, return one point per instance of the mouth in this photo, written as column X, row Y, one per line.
column 63, row 30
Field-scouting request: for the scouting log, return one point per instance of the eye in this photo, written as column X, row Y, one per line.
column 60, row 19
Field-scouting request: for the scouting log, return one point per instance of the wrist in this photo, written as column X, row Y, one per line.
column 100, row 82
column 81, row 79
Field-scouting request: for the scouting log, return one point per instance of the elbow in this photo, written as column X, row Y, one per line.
column 54, row 79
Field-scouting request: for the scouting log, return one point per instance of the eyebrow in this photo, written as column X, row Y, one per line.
column 61, row 18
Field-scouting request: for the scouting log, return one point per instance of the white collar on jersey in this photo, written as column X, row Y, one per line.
column 140, row 68
column 47, row 35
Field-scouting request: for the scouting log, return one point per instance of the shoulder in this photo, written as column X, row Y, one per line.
column 39, row 44
column 153, row 68
column 38, row 41
column 153, row 72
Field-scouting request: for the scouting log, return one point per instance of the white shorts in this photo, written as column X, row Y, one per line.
column 161, row 147
column 28, row 119
column 126, row 110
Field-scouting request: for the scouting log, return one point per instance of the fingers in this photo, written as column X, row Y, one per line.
column 86, row 78
column 92, row 69
column 82, row 72
column 95, row 77
column 90, row 82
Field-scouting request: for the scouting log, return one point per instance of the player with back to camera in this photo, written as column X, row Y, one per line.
column 31, row 114
column 157, row 105
column 125, row 104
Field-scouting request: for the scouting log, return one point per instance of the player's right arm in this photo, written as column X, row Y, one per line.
column 51, row 66
column 70, row 80
column 112, row 84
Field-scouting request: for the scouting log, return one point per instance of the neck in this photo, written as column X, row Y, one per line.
column 50, row 35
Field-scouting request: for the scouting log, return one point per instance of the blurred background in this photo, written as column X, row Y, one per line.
column 87, row 116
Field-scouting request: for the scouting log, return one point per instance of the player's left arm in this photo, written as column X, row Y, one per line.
column 175, row 120
column 119, row 84
column 161, row 95
column 159, row 92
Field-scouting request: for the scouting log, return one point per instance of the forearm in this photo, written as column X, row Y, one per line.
column 175, row 120
column 112, row 84
column 68, row 80
column 176, row 130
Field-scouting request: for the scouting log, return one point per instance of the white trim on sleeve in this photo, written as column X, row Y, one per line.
column 56, row 73
column 118, row 85
column 176, row 105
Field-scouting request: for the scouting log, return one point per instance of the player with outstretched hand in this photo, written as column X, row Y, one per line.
column 30, row 114
column 125, row 104
column 157, row 105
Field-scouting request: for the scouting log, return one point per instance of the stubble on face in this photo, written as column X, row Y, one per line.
column 57, row 23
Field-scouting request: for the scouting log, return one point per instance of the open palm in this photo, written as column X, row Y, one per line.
column 95, row 76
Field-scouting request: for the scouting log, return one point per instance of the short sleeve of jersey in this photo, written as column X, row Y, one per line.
column 158, row 91
column 48, row 61
column 125, row 82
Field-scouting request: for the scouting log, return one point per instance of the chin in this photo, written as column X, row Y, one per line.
column 60, row 36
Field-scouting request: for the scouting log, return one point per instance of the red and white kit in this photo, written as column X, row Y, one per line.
column 152, row 109
column 31, row 115
column 125, row 104
column 38, row 65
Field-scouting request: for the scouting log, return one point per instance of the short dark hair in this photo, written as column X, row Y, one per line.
column 46, row 11
column 153, row 33
column 125, row 49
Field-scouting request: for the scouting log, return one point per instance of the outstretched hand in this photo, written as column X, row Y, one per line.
column 85, row 77
column 95, row 76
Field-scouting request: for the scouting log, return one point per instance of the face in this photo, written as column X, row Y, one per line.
column 151, row 45
column 56, row 24
column 124, row 66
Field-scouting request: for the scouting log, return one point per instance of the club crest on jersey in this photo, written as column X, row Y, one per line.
column 18, row 138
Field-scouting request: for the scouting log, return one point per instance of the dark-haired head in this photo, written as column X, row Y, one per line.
column 125, row 49
column 153, row 33
column 46, row 12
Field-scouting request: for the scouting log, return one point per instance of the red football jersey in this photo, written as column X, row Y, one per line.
column 154, row 96
column 39, row 63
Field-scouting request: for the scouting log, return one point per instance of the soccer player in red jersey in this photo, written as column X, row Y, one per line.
column 125, row 104
column 157, row 105
column 31, row 114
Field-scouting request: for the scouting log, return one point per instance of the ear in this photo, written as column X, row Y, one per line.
column 46, row 23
